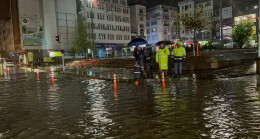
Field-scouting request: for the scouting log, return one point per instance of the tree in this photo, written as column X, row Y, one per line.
column 241, row 32
column 196, row 20
column 83, row 37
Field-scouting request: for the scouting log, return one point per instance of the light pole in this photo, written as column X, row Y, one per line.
column 257, row 36
column 93, row 3
column 257, row 28
column 221, row 24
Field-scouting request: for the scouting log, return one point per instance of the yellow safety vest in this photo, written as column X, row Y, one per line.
column 162, row 58
column 179, row 52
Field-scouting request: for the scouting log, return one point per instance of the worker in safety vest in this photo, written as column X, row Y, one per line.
column 178, row 54
column 162, row 58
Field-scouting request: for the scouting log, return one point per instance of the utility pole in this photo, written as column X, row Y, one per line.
column 221, row 23
column 92, row 30
column 257, row 27
column 257, row 33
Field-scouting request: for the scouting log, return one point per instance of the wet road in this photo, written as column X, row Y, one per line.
column 82, row 108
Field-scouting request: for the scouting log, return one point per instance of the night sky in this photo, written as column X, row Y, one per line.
column 151, row 3
column 4, row 9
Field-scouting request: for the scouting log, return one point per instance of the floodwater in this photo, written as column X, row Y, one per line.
column 83, row 108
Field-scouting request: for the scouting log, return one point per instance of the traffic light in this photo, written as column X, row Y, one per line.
column 58, row 38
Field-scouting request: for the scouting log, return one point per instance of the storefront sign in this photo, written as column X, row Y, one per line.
column 250, row 17
column 47, row 59
column 32, row 31
column 30, row 56
column 55, row 54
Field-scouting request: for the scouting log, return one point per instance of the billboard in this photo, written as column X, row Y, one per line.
column 250, row 17
column 32, row 31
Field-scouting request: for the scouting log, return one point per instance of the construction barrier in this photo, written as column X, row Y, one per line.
column 52, row 77
column 163, row 80
column 115, row 85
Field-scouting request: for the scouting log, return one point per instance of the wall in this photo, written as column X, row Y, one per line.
column 66, row 15
column 50, row 24
column 135, row 20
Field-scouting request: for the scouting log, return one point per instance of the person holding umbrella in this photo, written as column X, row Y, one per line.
column 162, row 57
column 138, row 67
column 178, row 55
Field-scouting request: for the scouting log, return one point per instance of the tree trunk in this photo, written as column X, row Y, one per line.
column 194, row 41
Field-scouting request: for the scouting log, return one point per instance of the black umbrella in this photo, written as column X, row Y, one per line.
column 137, row 41
column 165, row 43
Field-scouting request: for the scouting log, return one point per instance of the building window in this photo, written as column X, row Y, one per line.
column 101, row 36
column 154, row 37
column 141, row 11
column 119, row 37
column 208, row 4
column 110, row 37
column 186, row 7
column 123, row 2
column 115, row 1
column 225, row 11
column 141, row 18
column 154, row 22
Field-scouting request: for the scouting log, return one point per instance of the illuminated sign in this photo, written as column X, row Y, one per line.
column 250, row 17
column 55, row 54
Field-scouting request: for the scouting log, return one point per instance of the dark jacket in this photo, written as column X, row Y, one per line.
column 149, row 54
column 139, row 55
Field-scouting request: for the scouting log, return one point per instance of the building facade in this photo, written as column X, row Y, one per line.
column 208, row 10
column 41, row 21
column 111, row 19
column 138, row 21
column 6, row 39
column 160, row 24
column 10, row 43
column 186, row 7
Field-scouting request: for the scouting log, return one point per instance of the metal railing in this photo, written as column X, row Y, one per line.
column 119, row 54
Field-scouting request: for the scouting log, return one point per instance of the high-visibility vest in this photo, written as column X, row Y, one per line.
column 178, row 52
column 162, row 58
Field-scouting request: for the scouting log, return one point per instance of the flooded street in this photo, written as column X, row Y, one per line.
column 84, row 108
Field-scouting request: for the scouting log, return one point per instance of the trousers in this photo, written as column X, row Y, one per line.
column 178, row 67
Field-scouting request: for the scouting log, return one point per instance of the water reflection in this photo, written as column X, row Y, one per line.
column 77, row 108
column 95, row 115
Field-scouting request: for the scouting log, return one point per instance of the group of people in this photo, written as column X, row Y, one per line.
column 178, row 55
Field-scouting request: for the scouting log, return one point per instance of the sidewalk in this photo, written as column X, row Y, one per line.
column 208, row 60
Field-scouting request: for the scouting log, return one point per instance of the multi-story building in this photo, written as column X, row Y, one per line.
column 6, row 38
column 160, row 24
column 111, row 20
column 186, row 7
column 208, row 14
column 138, row 21
column 10, row 43
column 41, row 21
